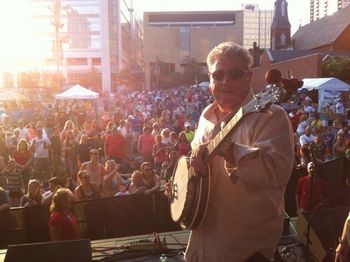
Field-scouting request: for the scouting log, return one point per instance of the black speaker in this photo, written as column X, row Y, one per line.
column 325, row 228
column 60, row 251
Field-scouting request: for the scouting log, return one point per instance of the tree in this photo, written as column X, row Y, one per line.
column 92, row 79
column 192, row 71
column 29, row 80
column 337, row 66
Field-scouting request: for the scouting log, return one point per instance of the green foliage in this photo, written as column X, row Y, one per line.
column 337, row 66
column 29, row 79
column 92, row 79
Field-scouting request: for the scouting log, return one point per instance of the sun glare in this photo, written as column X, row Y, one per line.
column 20, row 47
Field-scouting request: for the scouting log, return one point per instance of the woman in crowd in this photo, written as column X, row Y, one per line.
column 136, row 185
column 62, row 223
column 86, row 189
column 112, row 181
column 68, row 126
column 145, row 144
column 94, row 168
column 34, row 196
column 183, row 146
column 23, row 158
column 83, row 151
column 339, row 146
column 159, row 153
column 150, row 180
column 70, row 154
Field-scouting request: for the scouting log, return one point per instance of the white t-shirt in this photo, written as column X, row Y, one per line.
column 304, row 139
column 39, row 149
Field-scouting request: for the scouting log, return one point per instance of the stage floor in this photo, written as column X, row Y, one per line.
column 175, row 241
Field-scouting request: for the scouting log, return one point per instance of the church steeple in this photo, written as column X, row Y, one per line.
column 280, row 27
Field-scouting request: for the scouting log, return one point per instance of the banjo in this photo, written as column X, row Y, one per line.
column 190, row 194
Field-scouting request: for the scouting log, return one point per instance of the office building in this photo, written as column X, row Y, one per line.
column 90, row 37
column 174, row 38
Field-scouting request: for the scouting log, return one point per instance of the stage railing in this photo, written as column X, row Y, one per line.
column 97, row 219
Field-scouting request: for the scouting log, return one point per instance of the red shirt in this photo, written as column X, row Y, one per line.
column 146, row 143
column 319, row 192
column 116, row 146
column 22, row 158
column 67, row 222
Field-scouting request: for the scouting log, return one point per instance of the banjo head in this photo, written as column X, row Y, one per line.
column 179, row 189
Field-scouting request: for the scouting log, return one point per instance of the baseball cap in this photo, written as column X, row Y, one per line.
column 188, row 124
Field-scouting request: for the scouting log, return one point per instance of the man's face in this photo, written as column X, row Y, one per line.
column 227, row 92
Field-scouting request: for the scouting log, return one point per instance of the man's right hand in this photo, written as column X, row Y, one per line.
column 197, row 161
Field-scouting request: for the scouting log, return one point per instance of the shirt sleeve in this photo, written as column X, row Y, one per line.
column 264, row 156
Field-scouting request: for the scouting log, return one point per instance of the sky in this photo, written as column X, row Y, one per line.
column 298, row 10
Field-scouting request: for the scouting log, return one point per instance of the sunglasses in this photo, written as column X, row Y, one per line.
column 94, row 153
column 86, row 177
column 148, row 169
column 233, row 74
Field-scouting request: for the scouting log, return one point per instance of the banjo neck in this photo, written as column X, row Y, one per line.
column 219, row 142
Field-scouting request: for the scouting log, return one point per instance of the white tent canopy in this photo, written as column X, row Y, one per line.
column 329, row 89
column 77, row 92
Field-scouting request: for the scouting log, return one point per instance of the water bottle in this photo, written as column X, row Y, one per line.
column 163, row 258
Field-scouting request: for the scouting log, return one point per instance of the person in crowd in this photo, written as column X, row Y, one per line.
column 54, row 184
column 123, row 129
column 4, row 151
column 165, row 133
column 34, row 196
column 116, row 146
column 319, row 149
column 14, row 183
column 319, row 192
column 308, row 137
column 68, row 126
column 62, row 222
column 155, row 129
column 344, row 130
column 188, row 132
column 328, row 138
column 173, row 139
column 86, row 189
column 4, row 200
column 40, row 145
column 23, row 158
column 94, row 168
column 316, row 123
column 150, row 180
column 83, row 150
column 145, row 144
column 339, row 146
column 31, row 131
column 183, row 146
column 40, row 125
column 23, row 131
column 302, row 124
column 136, row 185
column 159, row 153
column 55, row 149
column 254, row 170
column 112, row 181
column 167, row 173
column 70, row 155
column 13, row 141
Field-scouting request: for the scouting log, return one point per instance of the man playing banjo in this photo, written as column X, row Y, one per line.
column 245, row 211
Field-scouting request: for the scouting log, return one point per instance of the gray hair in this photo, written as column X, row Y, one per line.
column 229, row 49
